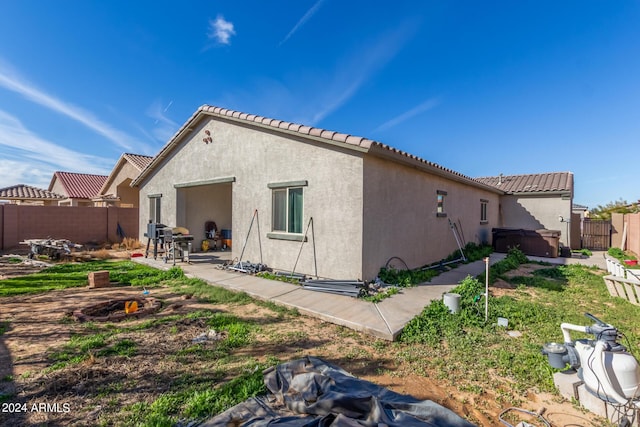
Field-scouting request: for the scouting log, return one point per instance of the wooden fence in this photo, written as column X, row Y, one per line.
column 77, row 224
column 596, row 234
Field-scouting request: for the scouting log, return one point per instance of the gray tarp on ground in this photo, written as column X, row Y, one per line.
column 310, row 392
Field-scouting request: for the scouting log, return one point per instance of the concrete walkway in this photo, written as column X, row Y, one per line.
column 383, row 320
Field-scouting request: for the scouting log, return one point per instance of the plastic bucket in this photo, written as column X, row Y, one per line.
column 452, row 301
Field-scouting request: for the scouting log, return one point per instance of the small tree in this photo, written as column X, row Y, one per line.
column 619, row 206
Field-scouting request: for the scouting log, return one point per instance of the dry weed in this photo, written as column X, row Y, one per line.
column 129, row 243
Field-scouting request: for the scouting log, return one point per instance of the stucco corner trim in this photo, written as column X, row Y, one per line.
column 286, row 236
column 288, row 184
column 223, row 180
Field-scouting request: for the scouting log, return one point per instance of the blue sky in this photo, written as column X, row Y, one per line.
column 482, row 88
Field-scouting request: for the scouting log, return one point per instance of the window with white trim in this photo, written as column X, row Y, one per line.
column 154, row 208
column 287, row 210
column 440, row 197
column 483, row 210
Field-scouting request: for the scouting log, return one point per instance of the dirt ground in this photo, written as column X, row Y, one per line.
column 38, row 323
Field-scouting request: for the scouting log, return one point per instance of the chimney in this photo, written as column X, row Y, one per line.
column 500, row 179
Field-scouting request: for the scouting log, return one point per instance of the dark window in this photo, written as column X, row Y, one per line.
column 483, row 210
column 287, row 210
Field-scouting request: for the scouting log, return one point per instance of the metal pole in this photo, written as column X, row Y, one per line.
column 313, row 237
column 455, row 234
column 259, row 239
column 247, row 238
column 486, row 295
column 301, row 245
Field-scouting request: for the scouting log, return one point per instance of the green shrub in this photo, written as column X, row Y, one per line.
column 408, row 278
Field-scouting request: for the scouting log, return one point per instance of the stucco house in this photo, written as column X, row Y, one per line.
column 22, row 194
column 535, row 201
column 366, row 201
column 78, row 189
column 117, row 190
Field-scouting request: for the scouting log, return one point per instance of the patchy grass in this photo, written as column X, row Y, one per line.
column 196, row 401
column 75, row 275
column 150, row 372
column 457, row 345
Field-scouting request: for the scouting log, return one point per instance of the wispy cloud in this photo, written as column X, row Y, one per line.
column 302, row 21
column 164, row 127
column 309, row 97
column 10, row 80
column 220, row 30
column 352, row 74
column 29, row 159
column 418, row 109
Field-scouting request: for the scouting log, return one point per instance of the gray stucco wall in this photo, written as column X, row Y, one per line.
column 256, row 158
column 537, row 212
column 400, row 215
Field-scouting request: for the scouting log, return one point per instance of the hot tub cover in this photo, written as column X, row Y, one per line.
column 311, row 392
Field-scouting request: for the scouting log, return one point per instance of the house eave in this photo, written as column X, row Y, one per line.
column 564, row 193
column 423, row 165
column 202, row 114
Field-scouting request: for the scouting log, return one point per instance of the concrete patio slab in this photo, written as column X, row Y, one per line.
column 342, row 310
column 383, row 320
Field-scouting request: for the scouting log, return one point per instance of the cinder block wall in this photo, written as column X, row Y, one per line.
column 77, row 224
column 633, row 233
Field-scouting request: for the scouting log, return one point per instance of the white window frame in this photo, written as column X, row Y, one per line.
column 287, row 225
column 484, row 205
column 440, row 203
column 155, row 208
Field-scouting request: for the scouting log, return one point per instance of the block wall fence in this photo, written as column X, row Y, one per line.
column 75, row 223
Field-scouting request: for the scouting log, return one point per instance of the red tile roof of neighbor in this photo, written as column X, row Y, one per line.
column 331, row 137
column 532, row 183
column 79, row 185
column 22, row 191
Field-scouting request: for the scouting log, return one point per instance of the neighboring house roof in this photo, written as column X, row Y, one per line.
column 79, row 185
column 577, row 207
column 26, row 192
column 554, row 182
column 344, row 140
column 138, row 161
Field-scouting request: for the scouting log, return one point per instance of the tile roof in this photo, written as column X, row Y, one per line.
column 532, row 183
column 138, row 160
column 332, row 137
column 21, row 192
column 79, row 185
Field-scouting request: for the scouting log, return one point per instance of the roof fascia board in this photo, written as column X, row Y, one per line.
column 385, row 153
column 189, row 127
column 112, row 176
column 223, row 180
column 539, row 193
column 326, row 141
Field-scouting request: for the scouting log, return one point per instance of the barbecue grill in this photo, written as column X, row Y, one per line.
column 155, row 233
column 175, row 242
column 178, row 244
